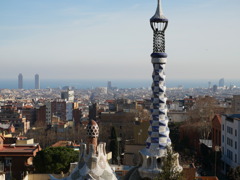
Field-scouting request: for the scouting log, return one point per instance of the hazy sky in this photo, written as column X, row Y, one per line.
column 110, row 39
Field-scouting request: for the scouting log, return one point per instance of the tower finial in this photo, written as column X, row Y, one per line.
column 159, row 8
column 158, row 16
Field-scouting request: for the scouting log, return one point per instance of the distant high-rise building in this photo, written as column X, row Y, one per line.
column 209, row 85
column 109, row 85
column 37, row 81
column 20, row 81
column 221, row 82
column 215, row 88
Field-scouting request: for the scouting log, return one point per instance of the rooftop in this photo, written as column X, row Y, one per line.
column 19, row 150
column 233, row 116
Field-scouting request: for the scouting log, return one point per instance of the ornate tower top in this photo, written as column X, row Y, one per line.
column 92, row 133
column 159, row 24
column 92, row 129
column 158, row 16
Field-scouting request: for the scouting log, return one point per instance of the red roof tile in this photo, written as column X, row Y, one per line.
column 18, row 150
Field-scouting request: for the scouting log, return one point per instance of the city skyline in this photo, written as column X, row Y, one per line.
column 47, row 36
column 29, row 83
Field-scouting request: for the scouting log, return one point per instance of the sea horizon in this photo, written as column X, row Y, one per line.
column 119, row 83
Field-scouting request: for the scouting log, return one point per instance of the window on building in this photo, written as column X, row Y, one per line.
column 235, row 144
column 223, row 138
column 219, row 137
column 229, row 154
column 229, row 130
column 229, row 142
column 235, row 132
column 223, row 127
column 235, row 158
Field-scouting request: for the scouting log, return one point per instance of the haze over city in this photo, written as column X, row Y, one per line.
column 98, row 39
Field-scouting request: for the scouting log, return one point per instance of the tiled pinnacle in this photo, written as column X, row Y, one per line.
column 158, row 132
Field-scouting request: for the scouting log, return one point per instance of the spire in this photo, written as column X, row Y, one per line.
column 158, row 16
column 158, row 140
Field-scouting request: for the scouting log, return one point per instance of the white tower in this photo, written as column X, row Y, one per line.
column 158, row 133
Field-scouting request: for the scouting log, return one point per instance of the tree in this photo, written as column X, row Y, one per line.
column 175, row 136
column 114, row 145
column 234, row 173
column 169, row 168
column 201, row 114
column 54, row 160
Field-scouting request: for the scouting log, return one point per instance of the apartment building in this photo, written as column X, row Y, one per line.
column 230, row 141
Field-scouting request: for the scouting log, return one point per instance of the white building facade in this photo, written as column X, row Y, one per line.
column 230, row 141
column 68, row 95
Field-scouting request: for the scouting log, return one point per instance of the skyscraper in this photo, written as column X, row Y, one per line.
column 109, row 85
column 209, row 85
column 20, row 81
column 37, row 81
column 158, row 133
column 221, row 82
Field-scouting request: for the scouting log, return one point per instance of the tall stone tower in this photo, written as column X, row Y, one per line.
column 158, row 133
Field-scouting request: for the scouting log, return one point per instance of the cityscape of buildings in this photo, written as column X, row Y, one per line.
column 25, row 113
